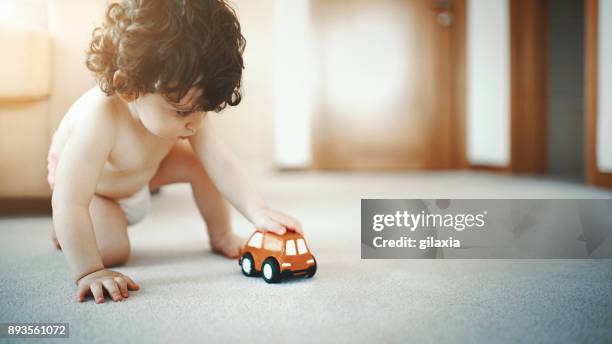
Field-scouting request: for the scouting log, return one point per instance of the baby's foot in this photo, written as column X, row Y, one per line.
column 227, row 244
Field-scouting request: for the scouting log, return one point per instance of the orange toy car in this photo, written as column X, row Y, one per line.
column 276, row 256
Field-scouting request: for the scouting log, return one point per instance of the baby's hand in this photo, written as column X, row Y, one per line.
column 275, row 221
column 115, row 283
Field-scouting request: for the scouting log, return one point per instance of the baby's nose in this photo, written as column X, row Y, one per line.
column 194, row 125
column 191, row 129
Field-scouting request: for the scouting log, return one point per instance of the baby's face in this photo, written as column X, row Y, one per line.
column 168, row 119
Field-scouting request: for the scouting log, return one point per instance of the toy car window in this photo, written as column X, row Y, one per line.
column 290, row 248
column 256, row 240
column 301, row 246
column 273, row 244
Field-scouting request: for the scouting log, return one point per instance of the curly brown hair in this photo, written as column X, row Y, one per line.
column 169, row 46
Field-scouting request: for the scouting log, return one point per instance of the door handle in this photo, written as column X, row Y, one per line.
column 445, row 18
column 444, row 14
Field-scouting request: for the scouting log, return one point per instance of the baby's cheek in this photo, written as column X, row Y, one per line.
column 160, row 126
column 168, row 131
column 153, row 126
column 174, row 128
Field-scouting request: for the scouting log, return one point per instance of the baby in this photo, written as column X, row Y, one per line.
column 161, row 65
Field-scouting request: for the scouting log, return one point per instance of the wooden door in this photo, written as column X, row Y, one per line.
column 384, row 84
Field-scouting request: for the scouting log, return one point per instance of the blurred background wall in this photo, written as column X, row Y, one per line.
column 488, row 82
column 249, row 128
column 604, row 129
column 348, row 85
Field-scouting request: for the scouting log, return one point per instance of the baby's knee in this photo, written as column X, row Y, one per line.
column 116, row 255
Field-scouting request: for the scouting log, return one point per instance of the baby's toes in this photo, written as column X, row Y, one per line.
column 232, row 252
column 229, row 251
column 229, row 246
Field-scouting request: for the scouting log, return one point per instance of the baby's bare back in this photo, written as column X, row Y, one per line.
column 135, row 155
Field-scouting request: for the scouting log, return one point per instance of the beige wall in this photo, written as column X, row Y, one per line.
column 23, row 148
column 70, row 25
column 248, row 128
column 604, row 106
column 488, row 76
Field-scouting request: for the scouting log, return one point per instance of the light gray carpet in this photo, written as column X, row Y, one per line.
column 191, row 295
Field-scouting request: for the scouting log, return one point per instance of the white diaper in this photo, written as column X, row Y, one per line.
column 136, row 206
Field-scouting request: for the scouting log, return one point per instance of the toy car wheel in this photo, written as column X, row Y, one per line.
column 271, row 271
column 247, row 265
column 313, row 269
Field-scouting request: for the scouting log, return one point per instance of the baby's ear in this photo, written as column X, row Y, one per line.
column 120, row 81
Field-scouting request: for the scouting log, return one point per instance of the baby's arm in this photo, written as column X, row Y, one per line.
column 76, row 177
column 228, row 175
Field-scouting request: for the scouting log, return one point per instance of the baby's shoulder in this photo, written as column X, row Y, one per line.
column 93, row 109
column 93, row 115
column 95, row 105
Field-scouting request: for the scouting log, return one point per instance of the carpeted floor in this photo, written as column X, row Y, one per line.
column 189, row 294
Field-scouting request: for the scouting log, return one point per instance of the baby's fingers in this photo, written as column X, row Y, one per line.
column 122, row 283
column 113, row 290
column 131, row 284
column 275, row 227
column 82, row 292
column 288, row 221
column 97, row 292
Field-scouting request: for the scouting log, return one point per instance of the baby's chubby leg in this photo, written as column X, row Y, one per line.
column 181, row 165
column 110, row 229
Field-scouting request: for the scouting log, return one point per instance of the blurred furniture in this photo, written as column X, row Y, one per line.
column 42, row 73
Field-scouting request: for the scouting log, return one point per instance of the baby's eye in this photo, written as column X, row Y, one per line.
column 184, row 113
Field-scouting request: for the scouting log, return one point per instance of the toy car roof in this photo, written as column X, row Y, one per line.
column 288, row 234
